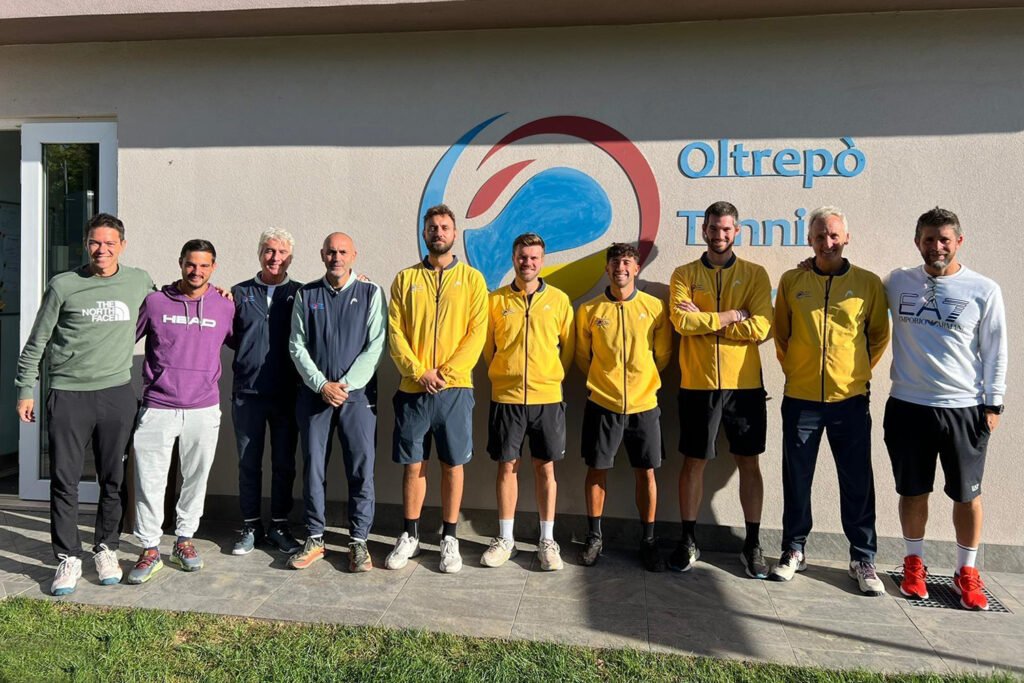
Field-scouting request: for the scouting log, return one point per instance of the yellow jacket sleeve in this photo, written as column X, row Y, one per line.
column 567, row 339
column 782, row 326
column 878, row 324
column 467, row 353
column 489, row 339
column 583, row 341
column 398, row 344
column 686, row 323
column 662, row 341
column 758, row 327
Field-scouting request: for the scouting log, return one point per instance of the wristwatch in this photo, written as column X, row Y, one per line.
column 995, row 410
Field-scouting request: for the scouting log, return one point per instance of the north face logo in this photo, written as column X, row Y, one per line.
column 108, row 312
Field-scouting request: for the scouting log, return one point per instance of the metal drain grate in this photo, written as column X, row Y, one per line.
column 942, row 596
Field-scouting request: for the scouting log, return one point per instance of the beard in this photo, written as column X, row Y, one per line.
column 721, row 249
column 436, row 250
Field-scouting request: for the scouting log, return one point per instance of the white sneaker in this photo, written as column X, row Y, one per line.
column 69, row 571
column 406, row 547
column 867, row 578
column 791, row 562
column 499, row 552
column 451, row 561
column 107, row 566
column 550, row 555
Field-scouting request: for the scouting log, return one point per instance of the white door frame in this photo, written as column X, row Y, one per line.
column 33, row 241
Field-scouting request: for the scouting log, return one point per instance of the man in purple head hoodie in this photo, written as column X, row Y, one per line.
column 184, row 324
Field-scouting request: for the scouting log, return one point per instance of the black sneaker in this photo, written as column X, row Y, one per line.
column 753, row 562
column 591, row 550
column 650, row 557
column 281, row 536
column 683, row 557
column 250, row 534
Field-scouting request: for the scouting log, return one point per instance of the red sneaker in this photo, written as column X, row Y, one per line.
column 968, row 584
column 915, row 575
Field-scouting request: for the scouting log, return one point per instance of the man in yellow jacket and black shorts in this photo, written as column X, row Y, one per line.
column 623, row 342
column 437, row 323
column 722, row 308
column 530, row 342
column 831, row 327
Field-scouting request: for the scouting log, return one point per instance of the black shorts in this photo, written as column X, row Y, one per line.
column 446, row 417
column 915, row 434
column 604, row 431
column 742, row 412
column 509, row 425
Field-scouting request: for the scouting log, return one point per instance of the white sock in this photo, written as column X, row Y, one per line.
column 505, row 529
column 547, row 530
column 965, row 557
column 915, row 546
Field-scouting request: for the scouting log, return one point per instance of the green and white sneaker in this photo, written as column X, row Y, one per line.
column 69, row 571
column 148, row 564
column 185, row 556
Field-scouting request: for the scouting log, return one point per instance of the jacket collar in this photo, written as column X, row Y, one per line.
column 708, row 264
column 608, row 294
column 426, row 263
column 842, row 271
column 543, row 286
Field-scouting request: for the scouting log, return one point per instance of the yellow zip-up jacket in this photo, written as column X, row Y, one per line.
column 830, row 331
column 714, row 358
column 622, row 346
column 530, row 344
column 437, row 319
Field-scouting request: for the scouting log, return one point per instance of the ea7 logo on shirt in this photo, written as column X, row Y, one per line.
column 108, row 312
column 185, row 320
column 926, row 311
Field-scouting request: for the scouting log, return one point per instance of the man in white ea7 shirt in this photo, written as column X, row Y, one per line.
column 948, row 381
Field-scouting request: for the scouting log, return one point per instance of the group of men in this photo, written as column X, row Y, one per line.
column 305, row 367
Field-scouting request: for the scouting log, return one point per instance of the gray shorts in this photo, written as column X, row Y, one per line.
column 446, row 418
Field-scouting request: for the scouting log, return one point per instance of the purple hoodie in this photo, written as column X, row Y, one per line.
column 183, row 340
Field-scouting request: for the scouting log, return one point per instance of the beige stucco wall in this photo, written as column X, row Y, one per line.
column 222, row 138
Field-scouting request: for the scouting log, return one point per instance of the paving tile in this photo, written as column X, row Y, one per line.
column 21, row 569
column 866, row 661
column 837, row 634
column 973, row 651
column 322, row 615
column 709, row 589
column 470, row 612
column 868, row 610
column 612, row 579
column 822, row 582
column 509, row 578
column 718, row 633
column 1013, row 584
column 373, row 591
column 178, row 602
column 929, row 620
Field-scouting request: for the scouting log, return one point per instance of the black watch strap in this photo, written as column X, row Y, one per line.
column 998, row 410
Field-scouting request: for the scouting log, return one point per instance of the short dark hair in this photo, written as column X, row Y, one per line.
column 621, row 250
column 439, row 210
column 721, row 209
column 197, row 245
column 528, row 239
column 938, row 218
column 105, row 220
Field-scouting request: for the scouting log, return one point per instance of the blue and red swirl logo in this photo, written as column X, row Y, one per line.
column 565, row 206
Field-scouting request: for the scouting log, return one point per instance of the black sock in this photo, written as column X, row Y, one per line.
column 412, row 527
column 689, row 531
column 753, row 532
column 449, row 529
column 648, row 531
column 594, row 523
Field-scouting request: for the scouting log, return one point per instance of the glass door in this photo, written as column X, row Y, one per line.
column 68, row 173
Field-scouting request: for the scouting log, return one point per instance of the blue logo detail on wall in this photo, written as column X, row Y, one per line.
column 564, row 206
column 567, row 207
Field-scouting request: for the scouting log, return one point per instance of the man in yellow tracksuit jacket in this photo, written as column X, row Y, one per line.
column 530, row 343
column 831, row 327
column 623, row 342
column 722, row 308
column 437, row 323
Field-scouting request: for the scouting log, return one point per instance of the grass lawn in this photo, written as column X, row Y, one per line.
column 59, row 641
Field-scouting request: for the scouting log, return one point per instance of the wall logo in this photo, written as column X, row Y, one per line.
column 108, row 312
column 565, row 206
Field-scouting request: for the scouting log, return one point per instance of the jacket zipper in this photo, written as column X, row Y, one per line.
column 526, row 345
column 437, row 312
column 625, row 388
column 824, row 337
column 718, row 340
